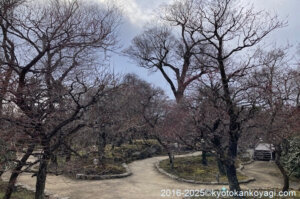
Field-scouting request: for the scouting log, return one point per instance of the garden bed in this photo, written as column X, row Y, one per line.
column 190, row 169
column 126, row 173
column 112, row 165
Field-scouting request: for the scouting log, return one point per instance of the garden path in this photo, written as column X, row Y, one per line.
column 145, row 183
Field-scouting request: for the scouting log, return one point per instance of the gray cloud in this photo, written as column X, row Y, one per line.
column 139, row 12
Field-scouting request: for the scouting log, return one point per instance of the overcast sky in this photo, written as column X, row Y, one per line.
column 137, row 13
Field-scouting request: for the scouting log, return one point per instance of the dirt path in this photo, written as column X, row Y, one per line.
column 145, row 183
column 267, row 175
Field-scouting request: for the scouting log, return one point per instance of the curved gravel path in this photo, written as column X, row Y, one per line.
column 145, row 183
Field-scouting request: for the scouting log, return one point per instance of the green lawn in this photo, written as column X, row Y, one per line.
column 190, row 168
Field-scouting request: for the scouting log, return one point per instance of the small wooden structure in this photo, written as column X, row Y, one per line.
column 264, row 151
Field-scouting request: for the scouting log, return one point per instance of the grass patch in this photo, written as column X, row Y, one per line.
column 19, row 193
column 190, row 168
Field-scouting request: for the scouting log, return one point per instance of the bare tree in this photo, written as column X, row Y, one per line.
column 173, row 48
column 6, row 73
column 106, row 120
column 147, row 107
column 230, row 28
column 276, row 89
column 213, row 35
column 49, row 47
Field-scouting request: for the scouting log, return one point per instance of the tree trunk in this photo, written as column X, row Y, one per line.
column 16, row 172
column 101, row 146
column 179, row 96
column 217, row 144
column 169, row 152
column 230, row 164
column 118, row 142
column 42, row 173
column 286, row 183
column 54, row 162
column 1, row 173
column 234, row 125
column 54, row 159
column 68, row 155
column 4, row 87
column 204, row 158
column 232, row 177
column 221, row 167
column 171, row 159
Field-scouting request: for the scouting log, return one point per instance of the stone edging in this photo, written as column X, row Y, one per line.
column 240, row 169
column 104, row 177
column 250, row 179
column 246, row 163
